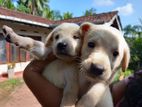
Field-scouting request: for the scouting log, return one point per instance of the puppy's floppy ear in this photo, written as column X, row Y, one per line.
column 85, row 27
column 126, row 58
column 49, row 39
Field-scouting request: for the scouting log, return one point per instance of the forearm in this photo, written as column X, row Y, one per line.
column 118, row 90
column 46, row 93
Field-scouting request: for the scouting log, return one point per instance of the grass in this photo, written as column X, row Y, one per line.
column 10, row 84
column 7, row 87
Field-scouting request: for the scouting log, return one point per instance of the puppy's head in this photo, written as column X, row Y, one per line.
column 104, row 49
column 65, row 41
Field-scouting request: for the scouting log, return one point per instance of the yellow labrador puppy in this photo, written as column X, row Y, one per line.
column 104, row 50
column 65, row 42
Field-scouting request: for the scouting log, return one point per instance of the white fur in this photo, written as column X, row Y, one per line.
column 107, row 40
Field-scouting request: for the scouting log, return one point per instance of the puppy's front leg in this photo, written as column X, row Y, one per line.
column 70, row 93
column 93, row 96
column 106, row 100
column 36, row 48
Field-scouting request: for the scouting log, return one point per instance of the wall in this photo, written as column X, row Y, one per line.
column 19, row 67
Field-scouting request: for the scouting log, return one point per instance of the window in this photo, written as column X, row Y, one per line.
column 3, row 58
column 11, row 53
column 14, row 51
column 22, row 55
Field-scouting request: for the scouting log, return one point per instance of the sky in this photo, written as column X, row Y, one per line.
column 130, row 11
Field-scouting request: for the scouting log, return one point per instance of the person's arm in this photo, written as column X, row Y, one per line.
column 47, row 94
column 118, row 90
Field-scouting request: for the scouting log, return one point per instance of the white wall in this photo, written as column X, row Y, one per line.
column 18, row 67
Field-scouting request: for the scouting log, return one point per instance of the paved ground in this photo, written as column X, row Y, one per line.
column 20, row 97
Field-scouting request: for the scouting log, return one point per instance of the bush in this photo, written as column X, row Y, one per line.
column 121, row 75
column 135, row 45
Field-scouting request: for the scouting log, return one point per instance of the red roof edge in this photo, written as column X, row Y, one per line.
column 22, row 15
column 97, row 18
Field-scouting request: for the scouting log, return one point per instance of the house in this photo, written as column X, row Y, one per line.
column 38, row 28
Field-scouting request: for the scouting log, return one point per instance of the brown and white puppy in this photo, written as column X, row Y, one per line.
column 65, row 42
column 104, row 50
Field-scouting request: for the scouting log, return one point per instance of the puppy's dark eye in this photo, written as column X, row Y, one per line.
column 91, row 44
column 115, row 53
column 57, row 37
column 76, row 37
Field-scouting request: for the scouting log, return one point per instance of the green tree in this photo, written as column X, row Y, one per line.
column 67, row 15
column 35, row 6
column 22, row 7
column 7, row 3
column 47, row 13
column 133, row 35
column 133, row 31
column 57, row 15
column 51, row 14
column 89, row 12
column 135, row 45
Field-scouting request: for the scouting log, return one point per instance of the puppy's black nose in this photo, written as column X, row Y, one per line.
column 61, row 46
column 96, row 69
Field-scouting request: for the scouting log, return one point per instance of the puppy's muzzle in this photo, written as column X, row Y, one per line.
column 62, row 47
column 96, row 69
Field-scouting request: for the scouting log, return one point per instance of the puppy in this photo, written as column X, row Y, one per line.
column 65, row 42
column 104, row 50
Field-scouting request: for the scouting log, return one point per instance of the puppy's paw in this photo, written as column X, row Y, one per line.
column 9, row 34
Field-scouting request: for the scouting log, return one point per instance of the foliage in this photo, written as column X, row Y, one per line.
column 121, row 75
column 57, row 15
column 91, row 11
column 9, row 85
column 38, row 7
column 128, row 72
column 133, row 31
column 7, row 3
column 47, row 13
column 136, row 53
column 67, row 15
column 51, row 14
column 35, row 7
column 22, row 8
column 133, row 35
column 41, row 8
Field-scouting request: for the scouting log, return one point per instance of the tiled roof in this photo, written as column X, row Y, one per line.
column 98, row 18
column 16, row 14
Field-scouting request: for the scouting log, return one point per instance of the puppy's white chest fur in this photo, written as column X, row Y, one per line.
column 59, row 72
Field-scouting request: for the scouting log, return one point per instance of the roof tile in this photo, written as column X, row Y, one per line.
column 97, row 18
column 14, row 13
